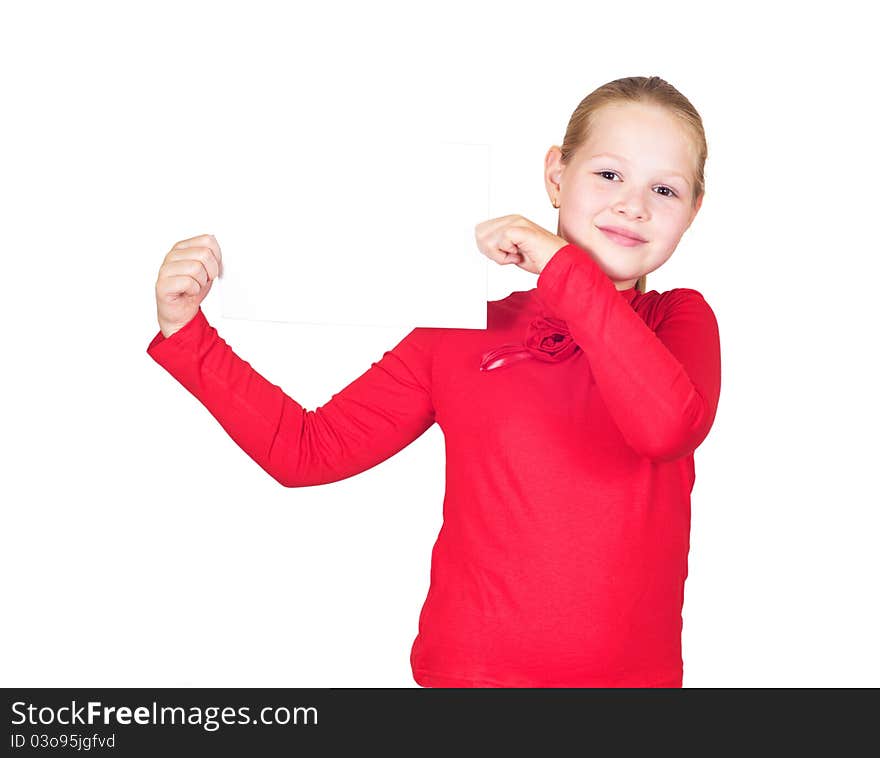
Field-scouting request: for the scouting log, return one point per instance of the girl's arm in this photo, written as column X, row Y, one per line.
column 370, row 420
column 661, row 386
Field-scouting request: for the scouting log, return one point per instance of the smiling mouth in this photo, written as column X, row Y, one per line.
column 621, row 239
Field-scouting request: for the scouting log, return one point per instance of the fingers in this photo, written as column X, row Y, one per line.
column 203, row 257
column 179, row 285
column 488, row 228
column 194, row 269
column 512, row 239
column 494, row 242
column 499, row 221
column 208, row 241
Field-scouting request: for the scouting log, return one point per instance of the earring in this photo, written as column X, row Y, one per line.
column 556, row 202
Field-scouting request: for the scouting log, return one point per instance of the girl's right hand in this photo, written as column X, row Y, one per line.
column 185, row 279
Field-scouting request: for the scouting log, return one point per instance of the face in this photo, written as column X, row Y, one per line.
column 635, row 172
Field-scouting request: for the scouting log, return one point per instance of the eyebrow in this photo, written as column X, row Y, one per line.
column 624, row 160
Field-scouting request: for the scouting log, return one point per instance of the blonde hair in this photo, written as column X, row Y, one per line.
column 650, row 90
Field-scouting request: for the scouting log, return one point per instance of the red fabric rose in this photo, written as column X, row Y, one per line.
column 547, row 339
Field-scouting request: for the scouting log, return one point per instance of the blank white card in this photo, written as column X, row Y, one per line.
column 382, row 235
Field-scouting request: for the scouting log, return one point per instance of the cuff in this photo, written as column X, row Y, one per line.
column 556, row 266
column 187, row 335
column 553, row 280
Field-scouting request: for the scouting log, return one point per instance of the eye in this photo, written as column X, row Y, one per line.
column 672, row 192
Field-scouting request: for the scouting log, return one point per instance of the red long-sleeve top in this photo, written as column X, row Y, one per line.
column 562, row 556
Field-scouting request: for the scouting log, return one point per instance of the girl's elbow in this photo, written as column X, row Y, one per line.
column 677, row 443
column 314, row 477
column 684, row 434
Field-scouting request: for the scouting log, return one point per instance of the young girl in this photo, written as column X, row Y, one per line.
column 570, row 422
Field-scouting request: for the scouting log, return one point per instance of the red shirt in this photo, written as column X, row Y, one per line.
column 562, row 556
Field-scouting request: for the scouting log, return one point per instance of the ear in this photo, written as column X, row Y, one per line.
column 553, row 170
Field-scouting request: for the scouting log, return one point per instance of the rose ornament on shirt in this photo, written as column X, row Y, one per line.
column 547, row 339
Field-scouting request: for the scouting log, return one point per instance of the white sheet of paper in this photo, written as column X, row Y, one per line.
column 390, row 242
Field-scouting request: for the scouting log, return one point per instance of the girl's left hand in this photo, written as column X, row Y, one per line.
column 514, row 239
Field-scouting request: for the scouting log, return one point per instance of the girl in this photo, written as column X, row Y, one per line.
column 570, row 423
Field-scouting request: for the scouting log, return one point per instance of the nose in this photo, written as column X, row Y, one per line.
column 630, row 205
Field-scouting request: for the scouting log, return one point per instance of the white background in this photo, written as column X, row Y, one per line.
column 142, row 547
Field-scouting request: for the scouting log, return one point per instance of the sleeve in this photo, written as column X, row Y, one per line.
column 661, row 386
column 371, row 419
